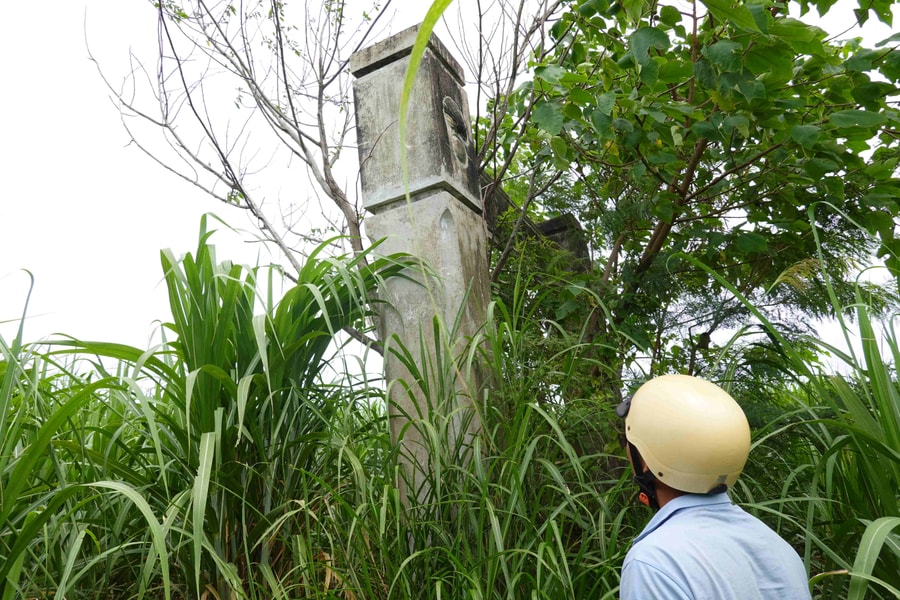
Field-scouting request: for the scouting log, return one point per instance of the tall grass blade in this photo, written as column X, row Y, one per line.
column 198, row 500
column 32, row 455
column 157, row 534
column 877, row 532
column 63, row 586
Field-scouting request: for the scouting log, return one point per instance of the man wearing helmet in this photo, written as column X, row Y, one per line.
column 688, row 441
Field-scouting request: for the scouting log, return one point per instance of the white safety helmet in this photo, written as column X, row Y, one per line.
column 693, row 436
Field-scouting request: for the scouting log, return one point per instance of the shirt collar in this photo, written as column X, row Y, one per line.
column 680, row 503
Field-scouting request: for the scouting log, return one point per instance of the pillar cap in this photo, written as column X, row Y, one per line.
column 399, row 46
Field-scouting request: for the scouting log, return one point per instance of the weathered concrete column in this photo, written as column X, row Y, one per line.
column 441, row 224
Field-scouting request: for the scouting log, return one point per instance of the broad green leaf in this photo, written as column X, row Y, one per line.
column 751, row 243
column 805, row 135
column 623, row 125
column 639, row 170
column 580, row 97
column 643, row 40
column 834, row 187
column 657, row 115
column 726, row 54
column 588, row 9
column 882, row 169
column 705, row 74
column 803, row 38
column 788, row 104
column 675, row 71
column 662, row 158
column 752, row 90
column 574, row 78
column 889, row 40
column 882, row 196
column 602, row 124
column 626, row 62
column 577, row 53
column 633, row 137
column 799, row 226
column 872, row 94
column 856, row 118
column 550, row 73
column 566, row 308
column 548, row 116
column 683, row 108
column 858, row 140
column 670, row 15
column 878, row 221
column 772, row 63
column 819, row 167
column 733, row 11
column 761, row 15
column 633, row 9
column 650, row 72
column 883, row 9
column 705, row 129
column 606, row 102
column 863, row 60
column 724, row 99
column 571, row 111
column 664, row 209
column 737, row 122
column 558, row 145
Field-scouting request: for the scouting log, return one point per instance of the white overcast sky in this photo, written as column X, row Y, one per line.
column 83, row 213
column 86, row 215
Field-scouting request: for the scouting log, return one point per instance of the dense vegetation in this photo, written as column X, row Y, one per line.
column 742, row 136
column 244, row 459
column 731, row 165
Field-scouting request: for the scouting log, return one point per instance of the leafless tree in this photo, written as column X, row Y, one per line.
column 241, row 91
column 283, row 78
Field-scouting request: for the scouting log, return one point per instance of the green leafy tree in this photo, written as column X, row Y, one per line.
column 733, row 135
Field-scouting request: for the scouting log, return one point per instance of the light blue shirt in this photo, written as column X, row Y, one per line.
column 704, row 547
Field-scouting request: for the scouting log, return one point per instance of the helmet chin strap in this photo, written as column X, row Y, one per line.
column 644, row 479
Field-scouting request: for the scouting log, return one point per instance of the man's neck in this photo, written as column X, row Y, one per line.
column 665, row 494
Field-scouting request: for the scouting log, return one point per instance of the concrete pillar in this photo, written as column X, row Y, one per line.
column 441, row 224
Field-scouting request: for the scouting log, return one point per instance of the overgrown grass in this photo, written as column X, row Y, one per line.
column 240, row 459
column 840, row 497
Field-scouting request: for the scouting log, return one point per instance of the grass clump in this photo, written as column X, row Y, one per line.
column 245, row 458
